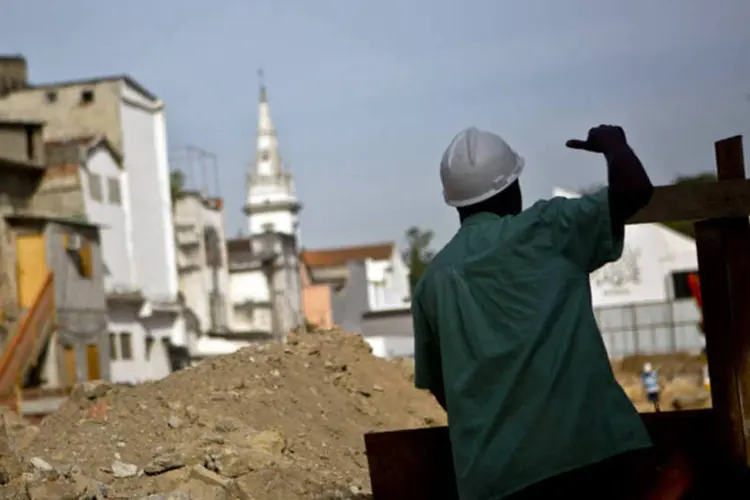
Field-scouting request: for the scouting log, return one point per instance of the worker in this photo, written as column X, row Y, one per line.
column 505, row 335
column 650, row 381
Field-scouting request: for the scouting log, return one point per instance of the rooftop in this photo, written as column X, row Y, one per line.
column 66, row 150
column 92, row 81
column 340, row 256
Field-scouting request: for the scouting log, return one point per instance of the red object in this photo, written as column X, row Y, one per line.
column 695, row 288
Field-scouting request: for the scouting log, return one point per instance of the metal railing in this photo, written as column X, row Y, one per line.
column 28, row 340
column 650, row 328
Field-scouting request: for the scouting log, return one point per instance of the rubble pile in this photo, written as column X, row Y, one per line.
column 275, row 421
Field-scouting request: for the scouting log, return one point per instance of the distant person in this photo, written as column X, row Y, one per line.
column 505, row 335
column 650, row 381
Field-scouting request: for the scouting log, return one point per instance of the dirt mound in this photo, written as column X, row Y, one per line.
column 278, row 421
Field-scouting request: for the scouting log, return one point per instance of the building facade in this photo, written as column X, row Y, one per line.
column 144, row 282
column 364, row 290
column 203, row 267
column 54, row 331
column 642, row 301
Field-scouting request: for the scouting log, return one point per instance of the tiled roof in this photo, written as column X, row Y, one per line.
column 339, row 256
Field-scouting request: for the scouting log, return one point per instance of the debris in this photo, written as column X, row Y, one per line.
column 270, row 421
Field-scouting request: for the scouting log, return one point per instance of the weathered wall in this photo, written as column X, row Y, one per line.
column 316, row 301
column 60, row 192
column 13, row 74
column 16, row 196
column 22, row 143
column 111, row 212
column 68, row 116
column 351, row 302
column 288, row 287
column 80, row 301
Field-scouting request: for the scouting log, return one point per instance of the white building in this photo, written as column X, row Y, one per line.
column 145, row 313
column 363, row 289
column 203, row 270
column 642, row 301
column 264, row 266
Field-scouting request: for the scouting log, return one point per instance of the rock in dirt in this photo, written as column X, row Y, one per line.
column 165, row 462
column 174, row 422
column 52, row 491
column 123, row 470
column 41, row 465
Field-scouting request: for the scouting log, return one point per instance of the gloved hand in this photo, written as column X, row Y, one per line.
column 605, row 139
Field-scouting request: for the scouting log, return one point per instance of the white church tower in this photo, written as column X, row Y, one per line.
column 271, row 204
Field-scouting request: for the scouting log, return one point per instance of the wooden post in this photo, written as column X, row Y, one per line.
column 723, row 253
column 19, row 396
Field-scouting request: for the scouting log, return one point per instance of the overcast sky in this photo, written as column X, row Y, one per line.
column 366, row 95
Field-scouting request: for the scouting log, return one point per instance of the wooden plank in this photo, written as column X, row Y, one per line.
column 714, row 281
column 711, row 200
column 416, row 464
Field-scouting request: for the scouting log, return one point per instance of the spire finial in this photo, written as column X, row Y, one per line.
column 262, row 85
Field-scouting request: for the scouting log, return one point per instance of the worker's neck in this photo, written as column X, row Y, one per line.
column 506, row 203
column 462, row 215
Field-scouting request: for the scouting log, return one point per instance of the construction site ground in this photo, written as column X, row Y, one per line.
column 276, row 422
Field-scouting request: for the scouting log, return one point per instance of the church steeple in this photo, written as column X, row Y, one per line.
column 271, row 198
column 268, row 160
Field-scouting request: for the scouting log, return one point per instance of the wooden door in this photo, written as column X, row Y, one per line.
column 92, row 362
column 31, row 267
column 71, row 375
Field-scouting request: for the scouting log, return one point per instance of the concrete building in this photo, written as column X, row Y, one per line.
column 86, row 180
column 642, row 301
column 363, row 290
column 203, row 268
column 132, row 121
column 264, row 275
column 51, row 280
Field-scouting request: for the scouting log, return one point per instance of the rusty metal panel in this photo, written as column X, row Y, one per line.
column 412, row 464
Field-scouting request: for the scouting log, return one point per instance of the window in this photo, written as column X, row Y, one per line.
column 113, row 190
column 81, row 251
column 87, row 96
column 680, row 283
column 87, row 259
column 149, row 346
column 264, row 155
column 112, row 346
column 126, row 347
column 30, row 143
column 95, row 186
column 51, row 97
column 267, row 227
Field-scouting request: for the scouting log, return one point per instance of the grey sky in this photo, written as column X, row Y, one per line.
column 366, row 95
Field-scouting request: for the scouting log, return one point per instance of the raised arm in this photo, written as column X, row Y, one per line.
column 630, row 188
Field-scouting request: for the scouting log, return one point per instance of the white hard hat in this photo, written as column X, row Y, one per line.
column 647, row 367
column 476, row 166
